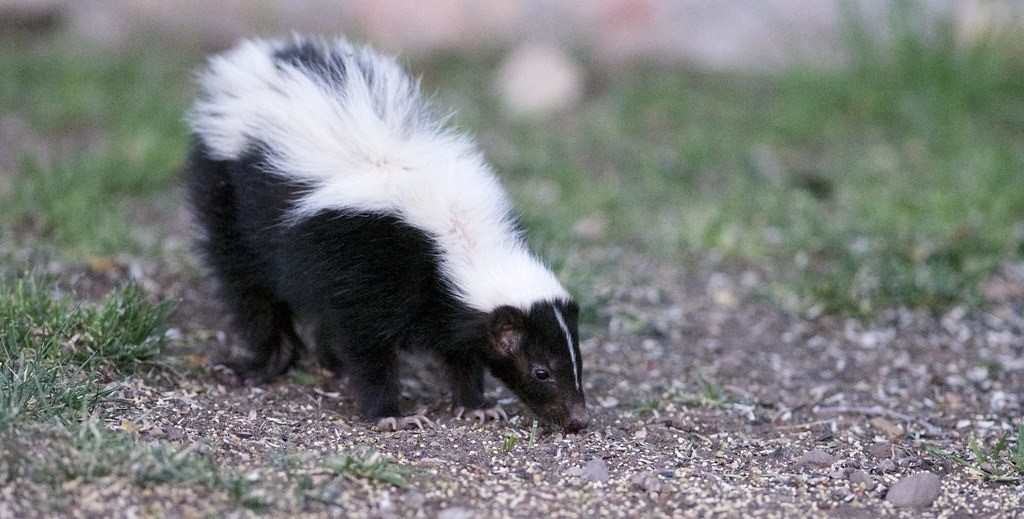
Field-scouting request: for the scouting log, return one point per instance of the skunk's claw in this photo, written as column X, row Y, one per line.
column 393, row 423
column 495, row 413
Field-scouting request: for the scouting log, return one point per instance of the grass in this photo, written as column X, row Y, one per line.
column 103, row 131
column 61, row 362
column 709, row 395
column 508, row 442
column 926, row 178
column 90, row 452
column 891, row 181
column 1002, row 463
column 367, row 463
column 59, row 356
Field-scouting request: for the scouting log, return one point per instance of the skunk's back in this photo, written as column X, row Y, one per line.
column 350, row 131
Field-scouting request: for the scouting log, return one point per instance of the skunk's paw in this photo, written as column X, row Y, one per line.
column 482, row 415
column 393, row 423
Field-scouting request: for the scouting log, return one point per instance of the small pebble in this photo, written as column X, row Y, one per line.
column 596, row 471
column 456, row 512
column 816, row 458
column 415, row 500
column 977, row 374
column 647, row 481
column 859, row 477
column 880, row 450
column 917, row 490
column 174, row 433
column 891, row 430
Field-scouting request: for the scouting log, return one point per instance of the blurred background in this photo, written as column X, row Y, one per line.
column 864, row 154
column 763, row 207
column 733, row 34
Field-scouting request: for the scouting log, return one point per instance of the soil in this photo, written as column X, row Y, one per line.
column 708, row 400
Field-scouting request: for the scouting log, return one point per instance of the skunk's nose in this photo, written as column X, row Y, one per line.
column 578, row 420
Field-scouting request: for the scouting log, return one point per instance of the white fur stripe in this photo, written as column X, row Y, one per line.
column 370, row 143
column 572, row 351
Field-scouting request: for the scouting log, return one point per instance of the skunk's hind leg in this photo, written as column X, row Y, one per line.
column 271, row 345
column 262, row 322
column 328, row 348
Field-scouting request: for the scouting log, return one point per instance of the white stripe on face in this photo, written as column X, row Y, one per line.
column 572, row 351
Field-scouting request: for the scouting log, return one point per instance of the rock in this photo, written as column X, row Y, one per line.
column 596, row 471
column 647, row 481
column 456, row 512
column 415, row 500
column 859, row 477
column 174, row 433
column 889, row 429
column 977, row 374
column 917, row 490
column 816, row 458
column 881, row 450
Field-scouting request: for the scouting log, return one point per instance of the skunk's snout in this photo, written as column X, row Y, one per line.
column 578, row 420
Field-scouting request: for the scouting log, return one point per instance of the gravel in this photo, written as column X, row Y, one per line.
column 707, row 400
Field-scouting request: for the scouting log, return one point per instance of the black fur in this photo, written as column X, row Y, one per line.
column 309, row 56
column 369, row 283
column 372, row 286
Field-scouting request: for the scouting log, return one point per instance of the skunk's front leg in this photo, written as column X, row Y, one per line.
column 371, row 366
column 376, row 388
column 395, row 423
column 467, row 383
column 494, row 412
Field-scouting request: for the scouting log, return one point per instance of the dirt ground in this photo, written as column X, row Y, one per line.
column 707, row 401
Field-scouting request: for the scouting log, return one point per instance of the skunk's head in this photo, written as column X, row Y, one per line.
column 536, row 354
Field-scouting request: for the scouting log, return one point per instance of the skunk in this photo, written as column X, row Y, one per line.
column 327, row 191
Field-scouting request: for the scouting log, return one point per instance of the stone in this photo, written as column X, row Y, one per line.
column 881, row 450
column 816, row 458
column 647, row 481
column 915, row 491
column 456, row 512
column 596, row 471
column 859, row 477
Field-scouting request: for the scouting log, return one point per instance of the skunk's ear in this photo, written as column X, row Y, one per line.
column 505, row 330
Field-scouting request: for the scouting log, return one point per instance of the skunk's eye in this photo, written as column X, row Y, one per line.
column 541, row 374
